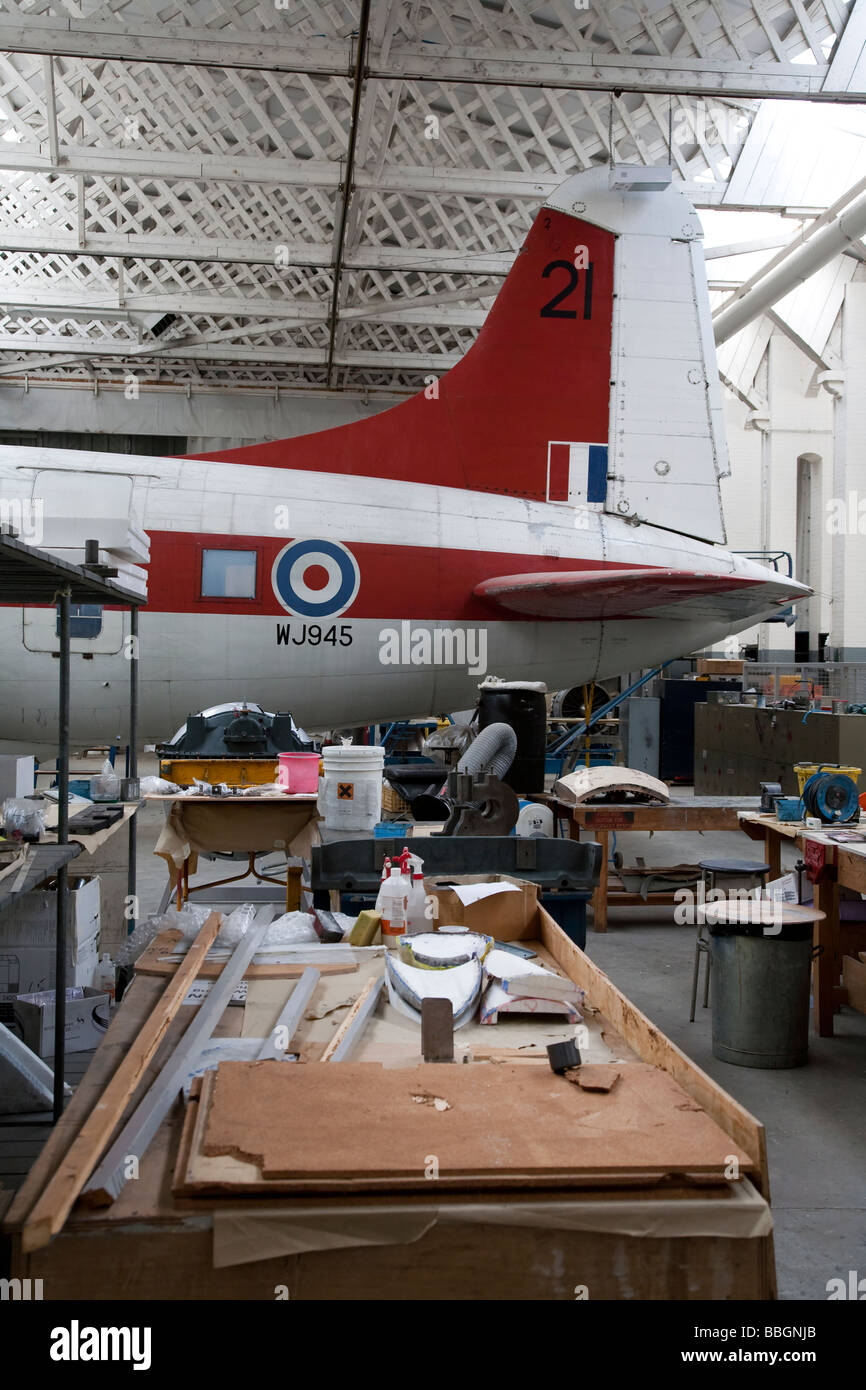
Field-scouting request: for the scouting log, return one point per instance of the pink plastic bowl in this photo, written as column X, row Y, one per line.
column 299, row 772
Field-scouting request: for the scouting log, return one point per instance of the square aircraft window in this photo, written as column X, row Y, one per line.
column 85, row 620
column 228, row 573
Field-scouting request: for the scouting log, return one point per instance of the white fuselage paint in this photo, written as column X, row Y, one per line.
column 191, row 660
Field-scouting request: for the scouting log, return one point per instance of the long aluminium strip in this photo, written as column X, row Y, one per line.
column 131, row 1143
column 276, row 1044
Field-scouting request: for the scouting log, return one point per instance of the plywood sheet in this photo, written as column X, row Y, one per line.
column 357, row 1122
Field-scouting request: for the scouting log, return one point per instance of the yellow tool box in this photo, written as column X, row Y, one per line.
column 235, row 772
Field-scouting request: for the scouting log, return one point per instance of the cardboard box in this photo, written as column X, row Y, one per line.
column 27, row 935
column 854, row 980
column 87, row 1020
column 503, row 915
column 17, row 775
column 718, row 666
column 28, row 929
column 28, row 969
column 31, row 918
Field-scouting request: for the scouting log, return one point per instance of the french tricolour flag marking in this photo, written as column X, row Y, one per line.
column 576, row 473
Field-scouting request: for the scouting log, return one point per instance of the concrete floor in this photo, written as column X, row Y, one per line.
column 814, row 1115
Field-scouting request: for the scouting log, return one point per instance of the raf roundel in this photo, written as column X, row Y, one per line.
column 315, row 579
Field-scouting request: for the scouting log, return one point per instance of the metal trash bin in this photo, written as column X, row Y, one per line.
column 760, row 995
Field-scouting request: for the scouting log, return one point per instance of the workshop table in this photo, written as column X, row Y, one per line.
column 844, row 866
column 696, row 814
column 251, row 825
column 691, row 1236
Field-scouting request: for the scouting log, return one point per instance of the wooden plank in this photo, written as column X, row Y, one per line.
column 149, row 963
column 651, row 1045
column 851, row 869
column 854, row 980
column 135, row 1136
column 345, row 1039
column 192, row 1132
column 56, row 1201
column 138, row 1003
column 599, row 897
column 827, row 968
column 184, row 1147
column 676, row 817
column 14, row 865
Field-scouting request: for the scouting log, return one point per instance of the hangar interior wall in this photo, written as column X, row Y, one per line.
column 798, row 483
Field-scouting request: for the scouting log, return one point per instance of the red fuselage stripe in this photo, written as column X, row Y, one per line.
column 432, row 583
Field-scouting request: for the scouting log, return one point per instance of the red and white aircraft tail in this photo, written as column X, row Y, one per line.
column 593, row 379
column 554, row 499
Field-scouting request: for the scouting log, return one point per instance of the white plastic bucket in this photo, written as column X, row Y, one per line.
column 350, row 793
column 299, row 772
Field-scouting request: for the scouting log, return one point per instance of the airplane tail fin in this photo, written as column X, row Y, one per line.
column 592, row 381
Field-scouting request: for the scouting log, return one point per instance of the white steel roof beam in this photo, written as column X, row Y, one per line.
column 157, row 164
column 807, row 254
column 43, row 301
column 220, row 251
column 161, row 43
column 619, row 72
column 588, row 70
column 847, row 71
column 126, row 352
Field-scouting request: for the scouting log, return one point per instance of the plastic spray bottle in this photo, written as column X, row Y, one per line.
column 386, row 874
column 395, row 896
column 416, row 918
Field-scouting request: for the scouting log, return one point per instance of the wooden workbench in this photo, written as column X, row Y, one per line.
column 834, row 938
column 253, row 825
column 676, row 1239
column 697, row 814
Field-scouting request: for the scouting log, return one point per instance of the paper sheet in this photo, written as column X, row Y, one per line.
column 469, row 893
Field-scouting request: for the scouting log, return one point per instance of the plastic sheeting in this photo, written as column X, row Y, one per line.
column 242, row 1235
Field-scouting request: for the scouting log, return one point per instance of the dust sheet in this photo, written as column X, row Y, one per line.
column 242, row 1236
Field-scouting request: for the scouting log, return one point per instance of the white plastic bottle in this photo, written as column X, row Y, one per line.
column 386, row 874
column 106, row 975
column 394, row 894
column 416, row 919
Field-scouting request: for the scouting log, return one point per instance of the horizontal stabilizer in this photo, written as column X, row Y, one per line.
column 596, row 594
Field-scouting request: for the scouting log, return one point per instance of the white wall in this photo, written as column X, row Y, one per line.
column 760, row 496
column 849, row 544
